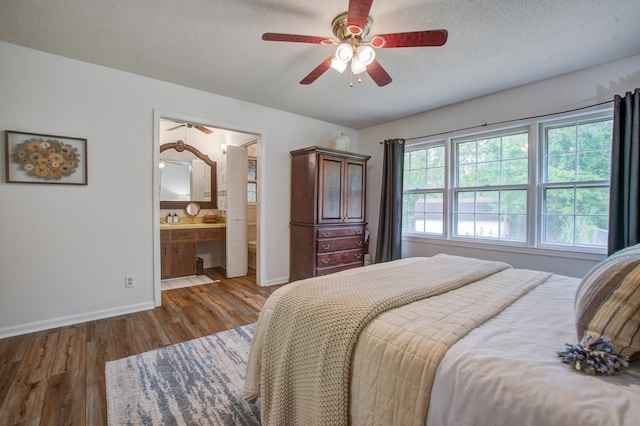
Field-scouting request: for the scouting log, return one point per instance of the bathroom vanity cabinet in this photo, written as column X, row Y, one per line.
column 178, row 249
column 327, row 211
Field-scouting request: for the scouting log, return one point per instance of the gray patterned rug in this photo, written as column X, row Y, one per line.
column 198, row 382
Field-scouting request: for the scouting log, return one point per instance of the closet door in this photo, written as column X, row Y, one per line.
column 237, row 249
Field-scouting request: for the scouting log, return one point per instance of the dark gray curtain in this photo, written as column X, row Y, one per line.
column 624, row 218
column 389, row 242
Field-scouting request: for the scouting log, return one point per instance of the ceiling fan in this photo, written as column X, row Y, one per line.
column 203, row 129
column 350, row 28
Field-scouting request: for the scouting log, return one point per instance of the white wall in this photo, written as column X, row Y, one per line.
column 64, row 250
column 579, row 89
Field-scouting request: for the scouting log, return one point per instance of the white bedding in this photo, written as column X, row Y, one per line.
column 505, row 372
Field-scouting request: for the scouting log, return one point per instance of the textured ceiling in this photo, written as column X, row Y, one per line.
column 216, row 46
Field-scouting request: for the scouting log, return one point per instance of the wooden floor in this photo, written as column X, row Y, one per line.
column 57, row 376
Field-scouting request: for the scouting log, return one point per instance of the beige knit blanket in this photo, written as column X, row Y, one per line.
column 306, row 359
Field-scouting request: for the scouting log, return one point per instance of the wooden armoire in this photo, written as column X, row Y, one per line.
column 327, row 211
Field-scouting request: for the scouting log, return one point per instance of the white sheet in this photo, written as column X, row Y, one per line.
column 506, row 372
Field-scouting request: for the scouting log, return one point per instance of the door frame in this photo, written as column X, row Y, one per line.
column 159, row 114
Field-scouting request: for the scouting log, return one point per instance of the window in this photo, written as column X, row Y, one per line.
column 424, row 175
column 252, row 177
column 575, row 188
column 542, row 185
column 490, row 187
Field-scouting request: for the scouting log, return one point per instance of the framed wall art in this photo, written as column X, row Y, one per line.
column 38, row 158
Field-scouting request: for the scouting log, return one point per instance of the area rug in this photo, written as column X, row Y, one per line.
column 186, row 282
column 198, row 382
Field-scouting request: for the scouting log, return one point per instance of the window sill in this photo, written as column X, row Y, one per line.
column 509, row 248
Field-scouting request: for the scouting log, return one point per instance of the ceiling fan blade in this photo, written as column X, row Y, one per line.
column 177, row 127
column 378, row 74
column 295, row 38
column 357, row 15
column 203, row 129
column 410, row 39
column 317, row 72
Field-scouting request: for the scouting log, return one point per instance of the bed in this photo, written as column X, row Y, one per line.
column 500, row 368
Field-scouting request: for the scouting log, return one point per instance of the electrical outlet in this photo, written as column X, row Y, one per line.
column 129, row 281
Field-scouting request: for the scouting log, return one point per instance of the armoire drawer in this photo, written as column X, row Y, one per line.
column 339, row 258
column 333, row 269
column 340, row 232
column 338, row 244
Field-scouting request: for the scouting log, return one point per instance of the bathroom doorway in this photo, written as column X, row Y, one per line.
column 212, row 141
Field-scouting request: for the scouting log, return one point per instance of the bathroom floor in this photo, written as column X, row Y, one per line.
column 173, row 283
column 211, row 276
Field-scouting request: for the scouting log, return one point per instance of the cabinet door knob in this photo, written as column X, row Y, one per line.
column 358, row 255
column 176, row 249
column 327, row 247
column 326, row 234
column 325, row 261
column 358, row 243
column 359, row 232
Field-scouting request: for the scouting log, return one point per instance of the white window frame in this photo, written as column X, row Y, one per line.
column 434, row 144
column 454, row 187
column 542, row 185
column 535, row 128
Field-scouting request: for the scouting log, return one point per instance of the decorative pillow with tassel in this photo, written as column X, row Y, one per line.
column 608, row 304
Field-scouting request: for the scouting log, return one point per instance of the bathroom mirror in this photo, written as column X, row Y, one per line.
column 186, row 175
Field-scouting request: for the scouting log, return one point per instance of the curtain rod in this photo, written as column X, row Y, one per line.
column 507, row 121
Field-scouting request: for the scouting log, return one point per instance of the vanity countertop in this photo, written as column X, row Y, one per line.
column 198, row 225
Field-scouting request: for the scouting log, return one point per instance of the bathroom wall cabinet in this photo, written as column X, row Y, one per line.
column 178, row 249
column 327, row 211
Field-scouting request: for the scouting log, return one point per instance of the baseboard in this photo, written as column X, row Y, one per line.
column 276, row 281
column 73, row 319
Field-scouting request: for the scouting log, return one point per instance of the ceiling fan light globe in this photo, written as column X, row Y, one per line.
column 338, row 65
column 344, row 52
column 357, row 66
column 365, row 54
